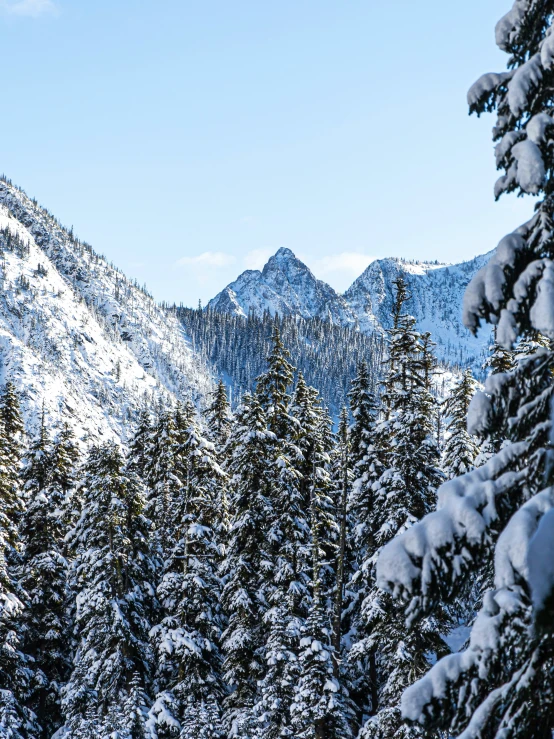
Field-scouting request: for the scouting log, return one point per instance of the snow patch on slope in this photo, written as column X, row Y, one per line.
column 76, row 336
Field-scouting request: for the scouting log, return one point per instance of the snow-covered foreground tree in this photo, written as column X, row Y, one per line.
column 502, row 683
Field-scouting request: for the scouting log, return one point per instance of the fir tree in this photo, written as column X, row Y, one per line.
column 502, row 683
column 461, row 449
column 247, row 567
column 188, row 637
column 112, row 576
column 44, row 573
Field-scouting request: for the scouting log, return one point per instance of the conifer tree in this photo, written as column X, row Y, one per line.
column 219, row 417
column 44, row 572
column 247, row 567
column 461, row 449
column 139, row 450
column 187, row 639
column 502, row 683
column 112, row 577
column 318, row 711
column 289, row 468
column 17, row 720
column 404, row 493
column 366, row 455
column 163, row 474
column 10, row 413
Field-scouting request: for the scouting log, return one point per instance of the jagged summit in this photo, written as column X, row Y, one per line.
column 288, row 287
column 285, row 286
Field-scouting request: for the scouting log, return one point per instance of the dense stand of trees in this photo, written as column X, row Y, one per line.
column 328, row 355
column 217, row 579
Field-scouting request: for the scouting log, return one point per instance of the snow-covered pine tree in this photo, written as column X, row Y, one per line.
column 44, row 572
column 16, row 719
column 247, row 568
column 112, row 578
column 404, row 493
column 319, row 710
column 187, row 640
column 219, row 417
column 163, row 476
column 366, row 456
column 139, row 459
column 502, row 684
column 10, row 413
column 461, row 449
column 294, row 422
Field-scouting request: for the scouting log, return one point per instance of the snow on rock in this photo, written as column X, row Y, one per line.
column 436, row 293
column 76, row 335
column 285, row 286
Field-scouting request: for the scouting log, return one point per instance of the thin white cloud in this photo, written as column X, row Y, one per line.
column 257, row 258
column 30, row 8
column 347, row 262
column 217, row 259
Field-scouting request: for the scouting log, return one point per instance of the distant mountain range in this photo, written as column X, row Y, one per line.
column 287, row 286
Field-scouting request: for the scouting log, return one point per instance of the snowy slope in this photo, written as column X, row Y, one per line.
column 76, row 335
column 287, row 286
column 436, row 303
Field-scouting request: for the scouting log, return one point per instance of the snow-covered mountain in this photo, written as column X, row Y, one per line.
column 436, row 292
column 286, row 286
column 76, row 336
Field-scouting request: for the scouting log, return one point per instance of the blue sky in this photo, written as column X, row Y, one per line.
column 187, row 141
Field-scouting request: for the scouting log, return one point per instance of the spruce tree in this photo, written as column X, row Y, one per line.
column 461, row 449
column 187, row 639
column 404, row 493
column 44, row 572
column 502, row 683
column 112, row 578
column 247, row 567
column 17, row 720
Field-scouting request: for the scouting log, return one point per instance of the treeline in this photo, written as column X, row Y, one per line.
column 217, row 580
column 326, row 354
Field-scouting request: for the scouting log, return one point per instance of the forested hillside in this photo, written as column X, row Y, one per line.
column 327, row 354
column 216, row 579
column 77, row 337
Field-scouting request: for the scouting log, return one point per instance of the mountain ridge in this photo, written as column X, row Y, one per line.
column 77, row 337
column 287, row 286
